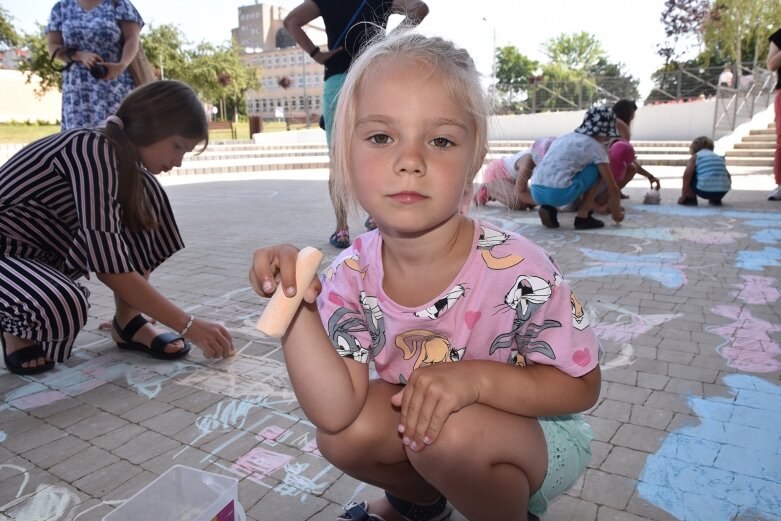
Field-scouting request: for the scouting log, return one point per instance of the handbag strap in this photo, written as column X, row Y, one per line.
column 349, row 24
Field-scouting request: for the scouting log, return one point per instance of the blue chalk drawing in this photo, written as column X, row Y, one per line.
column 758, row 260
column 770, row 236
column 770, row 218
column 727, row 466
column 664, row 268
column 763, row 223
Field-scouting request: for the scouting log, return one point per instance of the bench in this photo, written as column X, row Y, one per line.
column 223, row 125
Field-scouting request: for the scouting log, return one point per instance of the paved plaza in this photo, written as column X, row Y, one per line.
column 686, row 302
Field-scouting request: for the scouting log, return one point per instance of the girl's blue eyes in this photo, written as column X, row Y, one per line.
column 441, row 142
column 380, row 139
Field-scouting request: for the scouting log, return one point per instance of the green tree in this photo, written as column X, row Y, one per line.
column 164, row 48
column 219, row 76
column 514, row 72
column 38, row 63
column 740, row 28
column 8, row 35
column 576, row 51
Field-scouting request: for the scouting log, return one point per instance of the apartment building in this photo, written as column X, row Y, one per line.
column 270, row 48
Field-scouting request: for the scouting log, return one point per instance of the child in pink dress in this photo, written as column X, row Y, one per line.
column 484, row 353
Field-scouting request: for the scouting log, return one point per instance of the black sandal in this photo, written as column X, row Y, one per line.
column 14, row 361
column 157, row 349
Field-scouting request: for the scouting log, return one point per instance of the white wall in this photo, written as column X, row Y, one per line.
column 19, row 103
column 668, row 122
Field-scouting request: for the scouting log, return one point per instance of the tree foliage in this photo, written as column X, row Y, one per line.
column 682, row 21
column 741, row 27
column 576, row 51
column 8, row 35
column 216, row 73
column 579, row 73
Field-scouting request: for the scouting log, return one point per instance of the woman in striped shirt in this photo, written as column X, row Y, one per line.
column 85, row 201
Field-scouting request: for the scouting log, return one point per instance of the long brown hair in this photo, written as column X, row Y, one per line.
column 149, row 114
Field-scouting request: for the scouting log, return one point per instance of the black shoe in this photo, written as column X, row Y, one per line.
column 588, row 223
column 689, row 201
column 548, row 217
column 714, row 202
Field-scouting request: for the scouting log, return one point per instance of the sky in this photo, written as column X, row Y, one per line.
column 629, row 30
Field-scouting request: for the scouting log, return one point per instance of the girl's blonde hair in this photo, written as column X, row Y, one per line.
column 461, row 81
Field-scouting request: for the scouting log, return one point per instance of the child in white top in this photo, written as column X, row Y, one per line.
column 576, row 165
column 484, row 353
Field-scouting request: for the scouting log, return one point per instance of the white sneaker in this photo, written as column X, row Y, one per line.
column 775, row 195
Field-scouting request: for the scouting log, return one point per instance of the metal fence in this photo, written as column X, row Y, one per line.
column 545, row 96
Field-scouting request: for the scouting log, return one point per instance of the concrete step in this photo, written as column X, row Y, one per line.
column 750, row 161
column 759, row 152
column 754, row 145
column 763, row 132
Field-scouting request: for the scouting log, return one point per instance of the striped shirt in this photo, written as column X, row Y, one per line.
column 58, row 204
column 711, row 169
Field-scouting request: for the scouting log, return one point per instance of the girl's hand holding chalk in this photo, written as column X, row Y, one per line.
column 282, row 307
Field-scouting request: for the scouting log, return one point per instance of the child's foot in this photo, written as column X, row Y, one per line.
column 714, row 202
column 340, row 239
column 588, row 223
column 548, row 216
column 391, row 508
column 775, row 195
column 687, row 201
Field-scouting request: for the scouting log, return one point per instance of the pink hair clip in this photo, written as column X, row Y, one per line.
column 116, row 120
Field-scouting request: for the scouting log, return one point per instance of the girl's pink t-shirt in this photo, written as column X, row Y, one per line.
column 509, row 303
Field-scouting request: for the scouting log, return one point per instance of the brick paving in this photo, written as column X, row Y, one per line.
column 685, row 300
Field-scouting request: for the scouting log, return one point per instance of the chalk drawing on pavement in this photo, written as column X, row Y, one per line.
column 666, row 268
column 757, row 290
column 747, row 345
column 758, row 260
column 729, row 464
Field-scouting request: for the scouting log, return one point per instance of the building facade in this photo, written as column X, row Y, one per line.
column 291, row 81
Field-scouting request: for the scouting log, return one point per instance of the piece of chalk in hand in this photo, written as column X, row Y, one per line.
column 280, row 309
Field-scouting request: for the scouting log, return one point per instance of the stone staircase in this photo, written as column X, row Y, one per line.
column 756, row 149
column 231, row 157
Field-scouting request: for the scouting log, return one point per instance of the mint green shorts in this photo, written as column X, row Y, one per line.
column 331, row 89
column 569, row 450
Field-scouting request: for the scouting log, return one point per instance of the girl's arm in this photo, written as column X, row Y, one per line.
column 414, row 10
column 524, row 166
column 688, row 173
column 330, row 389
column 648, row 175
column 436, row 391
column 213, row 339
column 295, row 21
column 773, row 57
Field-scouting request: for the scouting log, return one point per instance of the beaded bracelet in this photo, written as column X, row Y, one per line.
column 187, row 327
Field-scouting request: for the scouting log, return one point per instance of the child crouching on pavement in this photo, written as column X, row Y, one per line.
column 706, row 174
column 576, row 164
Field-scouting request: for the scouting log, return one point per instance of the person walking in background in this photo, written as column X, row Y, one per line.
column 350, row 25
column 97, row 40
column 86, row 201
column 774, row 64
column 483, row 354
column 706, row 174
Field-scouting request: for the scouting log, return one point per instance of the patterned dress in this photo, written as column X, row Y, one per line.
column 87, row 101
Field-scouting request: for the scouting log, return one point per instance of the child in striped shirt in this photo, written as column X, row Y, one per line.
column 706, row 175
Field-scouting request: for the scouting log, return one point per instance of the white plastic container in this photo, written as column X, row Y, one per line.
column 183, row 494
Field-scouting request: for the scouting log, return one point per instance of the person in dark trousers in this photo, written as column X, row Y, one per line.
column 350, row 25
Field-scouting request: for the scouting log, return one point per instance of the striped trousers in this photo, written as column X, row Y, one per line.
column 39, row 303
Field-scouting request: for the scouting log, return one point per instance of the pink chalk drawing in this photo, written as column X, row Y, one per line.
column 747, row 344
column 270, row 433
column 757, row 290
column 260, row 462
column 628, row 325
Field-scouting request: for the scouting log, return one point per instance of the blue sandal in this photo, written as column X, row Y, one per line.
column 340, row 239
column 439, row 510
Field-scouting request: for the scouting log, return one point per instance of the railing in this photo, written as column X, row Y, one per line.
column 544, row 96
column 735, row 105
